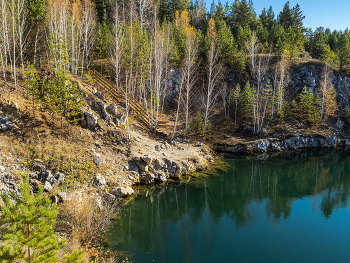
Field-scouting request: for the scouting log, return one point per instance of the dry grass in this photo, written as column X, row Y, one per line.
column 86, row 221
column 70, row 157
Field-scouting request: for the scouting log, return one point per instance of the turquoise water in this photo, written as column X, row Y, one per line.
column 292, row 208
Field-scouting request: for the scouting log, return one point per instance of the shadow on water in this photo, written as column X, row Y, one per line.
column 252, row 191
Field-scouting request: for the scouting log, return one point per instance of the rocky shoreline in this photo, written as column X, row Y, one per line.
column 278, row 145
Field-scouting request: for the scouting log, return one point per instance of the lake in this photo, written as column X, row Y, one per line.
column 288, row 208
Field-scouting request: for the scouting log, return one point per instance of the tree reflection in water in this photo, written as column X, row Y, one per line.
column 238, row 194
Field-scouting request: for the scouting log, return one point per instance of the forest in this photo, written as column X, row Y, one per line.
column 201, row 65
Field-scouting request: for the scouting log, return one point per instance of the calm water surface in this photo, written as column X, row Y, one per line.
column 284, row 209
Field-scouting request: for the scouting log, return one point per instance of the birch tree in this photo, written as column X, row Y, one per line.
column 189, row 64
column 280, row 81
column 328, row 101
column 214, row 72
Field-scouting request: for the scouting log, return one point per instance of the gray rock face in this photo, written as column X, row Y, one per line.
column 5, row 124
column 122, row 191
column 262, row 146
column 90, row 119
column 293, row 143
column 246, row 129
column 339, row 124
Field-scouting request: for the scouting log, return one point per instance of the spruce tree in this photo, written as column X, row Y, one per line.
column 27, row 227
column 309, row 107
column 343, row 50
column 247, row 101
column 285, row 17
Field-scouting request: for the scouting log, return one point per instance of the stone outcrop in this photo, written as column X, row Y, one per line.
column 153, row 169
column 292, row 143
column 90, row 119
column 5, row 124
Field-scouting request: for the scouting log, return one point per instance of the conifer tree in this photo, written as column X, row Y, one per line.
column 309, row 107
column 27, row 228
column 343, row 50
column 247, row 101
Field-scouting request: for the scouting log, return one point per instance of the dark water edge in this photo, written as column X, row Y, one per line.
column 292, row 207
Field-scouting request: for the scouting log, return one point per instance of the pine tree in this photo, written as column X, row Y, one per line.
column 318, row 44
column 247, row 101
column 61, row 99
column 309, row 107
column 243, row 14
column 27, row 226
column 285, row 18
column 343, row 50
column 298, row 17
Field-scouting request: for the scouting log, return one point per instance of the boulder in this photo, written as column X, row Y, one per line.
column 5, row 124
column 160, row 177
column 60, row 177
column 46, row 176
column 98, row 160
column 261, row 146
column 158, row 164
column 47, row 186
column 112, row 109
column 147, row 158
column 157, row 148
column 99, row 180
column 105, row 115
column 143, row 167
column 147, row 178
column 122, row 191
column 90, row 119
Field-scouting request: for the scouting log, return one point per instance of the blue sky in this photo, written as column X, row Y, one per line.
column 334, row 14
